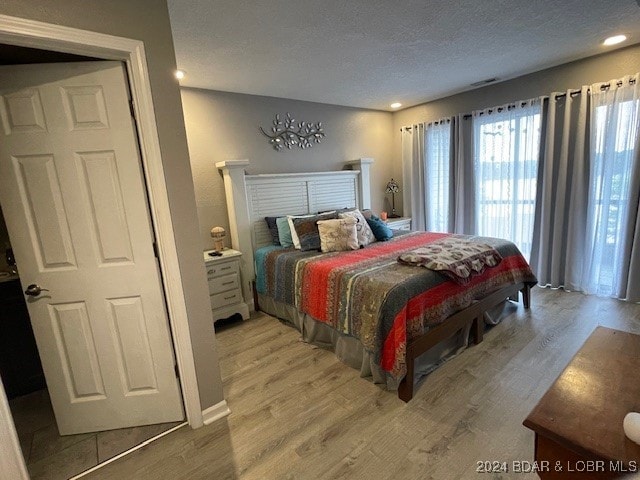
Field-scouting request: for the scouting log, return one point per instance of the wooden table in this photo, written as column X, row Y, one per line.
column 578, row 421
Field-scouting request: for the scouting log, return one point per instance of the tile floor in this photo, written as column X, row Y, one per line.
column 51, row 456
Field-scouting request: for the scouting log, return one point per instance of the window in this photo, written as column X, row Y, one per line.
column 506, row 151
column 437, row 176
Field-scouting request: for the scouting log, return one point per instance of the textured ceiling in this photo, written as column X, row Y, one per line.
column 369, row 53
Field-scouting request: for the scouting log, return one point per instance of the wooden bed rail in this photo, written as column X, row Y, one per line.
column 473, row 313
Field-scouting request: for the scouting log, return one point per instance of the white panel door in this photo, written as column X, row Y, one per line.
column 72, row 192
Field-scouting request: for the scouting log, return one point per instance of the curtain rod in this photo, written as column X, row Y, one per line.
column 603, row 87
column 436, row 122
column 508, row 107
column 572, row 93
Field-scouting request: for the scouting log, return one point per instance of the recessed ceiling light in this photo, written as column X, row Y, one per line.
column 180, row 74
column 614, row 40
column 396, row 105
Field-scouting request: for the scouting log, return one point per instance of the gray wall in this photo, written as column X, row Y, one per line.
column 148, row 20
column 223, row 126
column 570, row 75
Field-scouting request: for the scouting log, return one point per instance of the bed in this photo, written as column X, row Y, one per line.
column 388, row 319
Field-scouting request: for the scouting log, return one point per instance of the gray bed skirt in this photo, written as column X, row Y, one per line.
column 351, row 352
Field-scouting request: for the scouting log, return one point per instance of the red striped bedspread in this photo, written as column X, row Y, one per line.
column 369, row 295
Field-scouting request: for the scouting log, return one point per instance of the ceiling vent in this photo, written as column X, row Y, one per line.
column 487, row 81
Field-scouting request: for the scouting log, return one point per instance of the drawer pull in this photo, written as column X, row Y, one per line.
column 229, row 283
column 209, row 272
column 226, row 268
column 229, row 298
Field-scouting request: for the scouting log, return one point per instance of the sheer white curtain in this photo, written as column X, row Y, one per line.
column 506, row 151
column 438, row 178
column 612, row 257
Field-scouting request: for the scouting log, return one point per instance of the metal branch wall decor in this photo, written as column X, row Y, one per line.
column 288, row 133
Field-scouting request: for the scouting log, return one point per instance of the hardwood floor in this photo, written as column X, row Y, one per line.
column 298, row 413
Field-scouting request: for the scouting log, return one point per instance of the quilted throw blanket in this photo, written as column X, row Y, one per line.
column 454, row 256
column 369, row 295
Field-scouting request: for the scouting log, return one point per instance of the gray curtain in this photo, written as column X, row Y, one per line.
column 463, row 183
column 562, row 191
column 631, row 281
column 461, row 174
column 413, row 179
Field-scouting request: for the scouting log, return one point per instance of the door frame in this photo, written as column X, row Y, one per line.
column 34, row 34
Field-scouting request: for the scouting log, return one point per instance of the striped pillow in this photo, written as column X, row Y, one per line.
column 307, row 230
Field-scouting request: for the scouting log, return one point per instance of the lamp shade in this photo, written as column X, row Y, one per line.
column 218, row 234
column 392, row 187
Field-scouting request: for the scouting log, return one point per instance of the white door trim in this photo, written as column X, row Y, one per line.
column 29, row 33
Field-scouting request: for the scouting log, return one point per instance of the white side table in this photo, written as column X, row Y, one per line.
column 225, row 292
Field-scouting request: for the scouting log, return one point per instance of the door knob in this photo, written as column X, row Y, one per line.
column 34, row 290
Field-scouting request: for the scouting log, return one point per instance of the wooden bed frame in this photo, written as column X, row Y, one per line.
column 252, row 197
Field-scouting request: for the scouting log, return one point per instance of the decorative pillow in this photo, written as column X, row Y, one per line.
column 307, row 230
column 273, row 229
column 292, row 228
column 365, row 235
column 338, row 235
column 284, row 232
column 380, row 229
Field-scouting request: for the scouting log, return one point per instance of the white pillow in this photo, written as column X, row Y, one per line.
column 365, row 234
column 294, row 235
column 338, row 235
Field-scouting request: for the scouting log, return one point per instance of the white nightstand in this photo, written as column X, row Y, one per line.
column 400, row 223
column 225, row 292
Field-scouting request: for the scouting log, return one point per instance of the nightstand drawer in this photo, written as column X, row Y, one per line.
column 399, row 223
column 231, row 297
column 223, row 283
column 219, row 269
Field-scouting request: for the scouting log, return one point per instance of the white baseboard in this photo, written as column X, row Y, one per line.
column 215, row 412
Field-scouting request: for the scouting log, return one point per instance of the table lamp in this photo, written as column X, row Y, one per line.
column 218, row 234
column 393, row 188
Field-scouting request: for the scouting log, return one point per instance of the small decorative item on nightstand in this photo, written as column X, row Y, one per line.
column 218, row 234
column 225, row 287
column 393, row 188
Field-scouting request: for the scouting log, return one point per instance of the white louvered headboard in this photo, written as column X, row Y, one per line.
column 297, row 194
column 250, row 198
